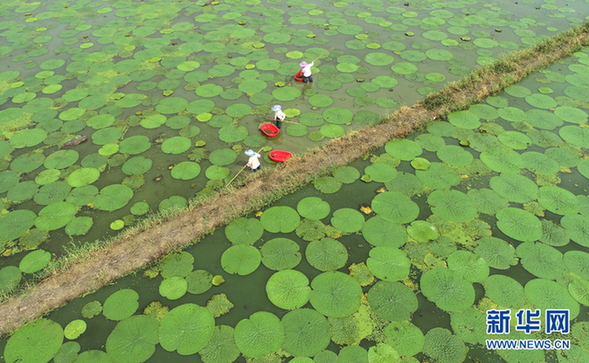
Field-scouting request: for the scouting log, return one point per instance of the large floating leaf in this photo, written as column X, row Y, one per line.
column 443, row 346
column 388, row 263
column 259, row 335
column 498, row 253
column 186, row 329
column 347, row 220
column 313, row 208
column 244, row 231
column 221, row 347
column 405, row 337
column 558, row 200
column 454, row 155
column 541, row 260
column 55, row 216
column 439, row 176
column 280, row 254
column 578, row 263
column 449, row 291
column 470, row 325
column 395, row 207
column 280, row 219
column 546, row 294
column 392, row 301
column 133, row 340
column 403, row 149
column 113, row 197
column 505, row 291
column 515, row 188
column 577, row 228
column 37, row 341
column 503, row 160
column 288, row 289
column 335, row 294
column 380, row 232
column 519, row 224
column 120, row 305
column 306, row 332
column 326, row 254
column 16, row 223
column 466, row 264
column 381, row 172
column 452, row 205
column 241, row 259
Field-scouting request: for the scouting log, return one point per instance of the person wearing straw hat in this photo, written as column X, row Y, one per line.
column 278, row 115
column 306, row 69
column 253, row 162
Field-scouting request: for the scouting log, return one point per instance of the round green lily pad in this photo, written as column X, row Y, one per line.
column 392, row 301
column 121, row 304
column 280, row 219
column 37, row 341
column 464, row 119
column 280, row 254
column 185, row 170
column 498, row 253
column 133, row 339
column 347, row 220
column 326, row 254
column 74, row 329
column 82, row 177
column 546, row 294
column 259, row 335
column 380, row 232
column 241, row 259
column 79, row 226
column 519, row 224
column 505, row 291
column 515, row 188
column 173, row 288
column 405, row 337
column 381, row 172
column 306, row 332
column 55, row 216
column 244, row 231
column 447, row 290
column 313, row 208
column 577, row 228
column 466, row 264
column 176, row 145
column 335, row 294
column 403, row 149
column 452, row 205
column 388, row 263
column 15, row 224
column 113, row 197
column 395, row 207
column 288, row 289
column 441, row 345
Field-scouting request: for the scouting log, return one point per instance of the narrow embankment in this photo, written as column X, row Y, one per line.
column 85, row 271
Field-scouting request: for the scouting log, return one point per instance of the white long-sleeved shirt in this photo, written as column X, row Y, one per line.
column 279, row 115
column 307, row 69
column 253, row 162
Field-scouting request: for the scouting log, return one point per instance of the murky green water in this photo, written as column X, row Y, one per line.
column 414, row 73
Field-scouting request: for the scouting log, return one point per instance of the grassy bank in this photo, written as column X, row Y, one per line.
column 95, row 265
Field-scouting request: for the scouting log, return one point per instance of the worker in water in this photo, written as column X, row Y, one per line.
column 306, row 69
column 253, row 162
column 278, row 115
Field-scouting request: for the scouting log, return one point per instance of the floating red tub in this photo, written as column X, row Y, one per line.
column 299, row 77
column 269, row 130
column 280, row 156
